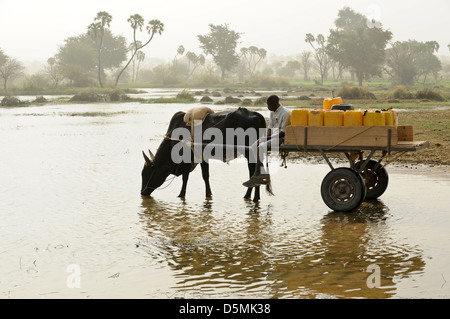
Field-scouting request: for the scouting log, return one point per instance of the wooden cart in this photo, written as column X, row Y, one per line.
column 345, row 188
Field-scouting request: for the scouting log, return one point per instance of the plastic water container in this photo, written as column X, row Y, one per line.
column 372, row 117
column 333, row 118
column 299, row 117
column 315, row 118
column 353, row 118
column 328, row 103
column 389, row 117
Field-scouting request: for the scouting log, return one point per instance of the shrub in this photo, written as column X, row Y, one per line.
column 268, row 82
column 185, row 95
column 430, row 94
column 356, row 92
column 232, row 100
column 262, row 100
column 402, row 93
column 206, row 99
column 11, row 101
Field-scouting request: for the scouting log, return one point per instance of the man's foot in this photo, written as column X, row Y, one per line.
column 261, row 179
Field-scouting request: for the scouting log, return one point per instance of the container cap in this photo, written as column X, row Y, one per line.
column 343, row 107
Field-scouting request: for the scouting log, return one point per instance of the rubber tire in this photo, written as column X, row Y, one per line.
column 343, row 189
column 376, row 181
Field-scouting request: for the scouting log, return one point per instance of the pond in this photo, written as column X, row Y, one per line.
column 75, row 226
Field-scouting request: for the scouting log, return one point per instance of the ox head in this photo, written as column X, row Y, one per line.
column 153, row 176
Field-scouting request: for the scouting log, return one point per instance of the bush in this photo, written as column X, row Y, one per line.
column 185, row 95
column 262, row 100
column 206, row 99
column 402, row 93
column 356, row 92
column 430, row 94
column 11, row 101
column 232, row 100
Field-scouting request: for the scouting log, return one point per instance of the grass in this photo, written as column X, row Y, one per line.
column 432, row 126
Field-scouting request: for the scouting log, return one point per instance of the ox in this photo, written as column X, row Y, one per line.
column 166, row 161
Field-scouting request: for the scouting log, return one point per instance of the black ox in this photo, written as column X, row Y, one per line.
column 159, row 166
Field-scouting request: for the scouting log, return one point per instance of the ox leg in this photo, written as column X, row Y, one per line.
column 205, row 174
column 183, row 187
column 248, row 194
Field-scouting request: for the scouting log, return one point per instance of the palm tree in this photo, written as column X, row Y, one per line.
column 97, row 32
column 137, row 22
column 140, row 56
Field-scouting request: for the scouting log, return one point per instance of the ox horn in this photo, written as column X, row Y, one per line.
column 152, row 157
column 147, row 160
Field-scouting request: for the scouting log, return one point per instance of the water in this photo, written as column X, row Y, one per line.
column 75, row 226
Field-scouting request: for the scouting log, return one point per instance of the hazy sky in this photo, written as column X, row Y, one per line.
column 32, row 30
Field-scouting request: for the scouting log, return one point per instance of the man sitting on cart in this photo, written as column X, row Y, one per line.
column 278, row 119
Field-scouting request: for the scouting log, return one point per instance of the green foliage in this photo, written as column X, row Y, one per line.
column 221, row 43
column 99, row 95
column 186, row 95
column 402, row 93
column 251, row 57
column 357, row 46
column 429, row 94
column 78, row 58
column 356, row 92
column 407, row 61
column 321, row 54
column 137, row 22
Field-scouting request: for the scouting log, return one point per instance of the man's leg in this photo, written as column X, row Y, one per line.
column 260, row 176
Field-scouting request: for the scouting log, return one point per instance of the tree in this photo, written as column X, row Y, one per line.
column 407, row 61
column 357, row 45
column 320, row 54
column 9, row 68
column 140, row 57
column 3, row 57
column 131, row 48
column 306, row 64
column 251, row 57
column 428, row 62
column 79, row 60
column 195, row 60
column 137, row 22
column 53, row 69
column 180, row 51
column 289, row 69
column 97, row 32
column 221, row 43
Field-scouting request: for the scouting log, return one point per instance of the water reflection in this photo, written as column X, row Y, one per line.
column 216, row 253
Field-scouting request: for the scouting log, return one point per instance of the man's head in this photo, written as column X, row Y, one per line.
column 273, row 102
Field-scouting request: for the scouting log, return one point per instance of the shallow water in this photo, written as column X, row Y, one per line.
column 74, row 224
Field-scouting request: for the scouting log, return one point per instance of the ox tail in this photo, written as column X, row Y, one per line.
column 269, row 184
column 269, row 189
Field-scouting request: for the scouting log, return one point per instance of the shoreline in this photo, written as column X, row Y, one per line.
column 430, row 120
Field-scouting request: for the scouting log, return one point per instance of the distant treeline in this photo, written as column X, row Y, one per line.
column 358, row 49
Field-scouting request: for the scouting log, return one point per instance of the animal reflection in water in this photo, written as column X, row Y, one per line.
column 159, row 166
column 209, row 252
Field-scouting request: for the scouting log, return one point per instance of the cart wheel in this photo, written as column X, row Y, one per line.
column 376, row 180
column 343, row 189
